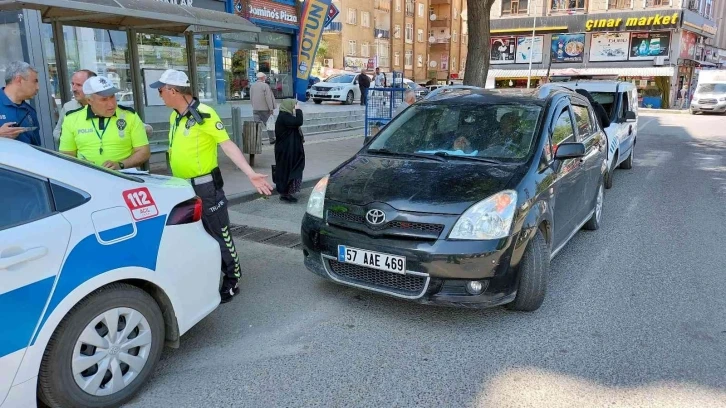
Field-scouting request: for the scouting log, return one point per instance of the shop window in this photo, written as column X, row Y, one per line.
column 365, row 19
column 620, row 4
column 565, row 5
column 397, row 59
column 352, row 16
column 352, row 50
column 242, row 62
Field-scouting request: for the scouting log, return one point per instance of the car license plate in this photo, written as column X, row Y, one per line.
column 323, row 93
column 371, row 259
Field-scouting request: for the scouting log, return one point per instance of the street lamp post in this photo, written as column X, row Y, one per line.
column 531, row 47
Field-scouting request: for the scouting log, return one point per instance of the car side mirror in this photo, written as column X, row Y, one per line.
column 570, row 151
column 629, row 116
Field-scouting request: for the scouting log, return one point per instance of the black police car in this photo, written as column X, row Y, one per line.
column 462, row 199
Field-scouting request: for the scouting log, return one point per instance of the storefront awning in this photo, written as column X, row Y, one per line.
column 623, row 72
column 142, row 15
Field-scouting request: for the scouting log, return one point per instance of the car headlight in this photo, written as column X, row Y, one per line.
column 337, row 88
column 316, row 202
column 488, row 219
column 722, row 99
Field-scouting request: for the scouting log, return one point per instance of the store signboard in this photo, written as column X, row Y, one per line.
column 502, row 50
column 525, row 48
column 267, row 10
column 609, row 47
column 647, row 46
column 567, row 47
column 688, row 45
column 355, row 63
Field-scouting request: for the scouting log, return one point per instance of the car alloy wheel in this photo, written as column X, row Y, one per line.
column 598, row 203
column 111, row 351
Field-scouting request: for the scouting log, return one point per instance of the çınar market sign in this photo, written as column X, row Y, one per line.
column 657, row 21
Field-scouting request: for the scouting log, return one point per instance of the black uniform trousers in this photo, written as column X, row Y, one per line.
column 215, row 219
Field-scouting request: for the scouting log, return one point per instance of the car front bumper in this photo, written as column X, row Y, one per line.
column 437, row 270
column 719, row 107
column 328, row 96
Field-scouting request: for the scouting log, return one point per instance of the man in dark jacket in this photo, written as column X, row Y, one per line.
column 600, row 113
column 364, row 82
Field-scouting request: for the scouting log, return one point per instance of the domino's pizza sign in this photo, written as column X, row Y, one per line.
column 332, row 13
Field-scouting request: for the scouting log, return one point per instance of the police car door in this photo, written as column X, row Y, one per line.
column 33, row 242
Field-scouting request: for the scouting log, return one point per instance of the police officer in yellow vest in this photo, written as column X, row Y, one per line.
column 104, row 132
column 195, row 131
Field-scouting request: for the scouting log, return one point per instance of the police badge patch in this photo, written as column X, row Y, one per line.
column 190, row 122
column 121, row 124
column 220, row 126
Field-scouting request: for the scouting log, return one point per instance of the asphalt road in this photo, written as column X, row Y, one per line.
column 634, row 315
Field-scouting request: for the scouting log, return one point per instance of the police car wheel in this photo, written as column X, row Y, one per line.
column 104, row 350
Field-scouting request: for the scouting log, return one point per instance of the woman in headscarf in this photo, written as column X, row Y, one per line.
column 289, row 152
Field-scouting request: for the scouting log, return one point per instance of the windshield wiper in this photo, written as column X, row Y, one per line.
column 417, row 155
column 470, row 158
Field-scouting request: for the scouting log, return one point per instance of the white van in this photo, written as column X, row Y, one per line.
column 620, row 100
column 710, row 95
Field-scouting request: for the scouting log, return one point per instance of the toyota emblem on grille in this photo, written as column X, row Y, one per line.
column 375, row 217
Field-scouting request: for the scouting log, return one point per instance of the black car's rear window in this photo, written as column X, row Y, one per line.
column 504, row 132
column 90, row 165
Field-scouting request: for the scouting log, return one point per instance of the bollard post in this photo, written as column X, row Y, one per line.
column 237, row 125
column 252, row 139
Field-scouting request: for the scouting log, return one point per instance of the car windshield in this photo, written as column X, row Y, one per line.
column 340, row 79
column 90, row 165
column 711, row 88
column 502, row 132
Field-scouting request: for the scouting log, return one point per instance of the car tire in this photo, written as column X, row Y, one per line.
column 608, row 179
column 593, row 223
column 627, row 164
column 533, row 272
column 349, row 98
column 318, row 101
column 58, row 385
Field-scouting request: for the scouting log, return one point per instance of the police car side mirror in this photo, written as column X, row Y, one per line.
column 630, row 116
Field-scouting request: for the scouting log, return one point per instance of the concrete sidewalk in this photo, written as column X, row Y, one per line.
column 321, row 156
column 664, row 111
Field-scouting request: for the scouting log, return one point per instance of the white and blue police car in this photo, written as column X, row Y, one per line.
column 98, row 271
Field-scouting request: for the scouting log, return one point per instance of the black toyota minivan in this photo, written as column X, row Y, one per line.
column 462, row 199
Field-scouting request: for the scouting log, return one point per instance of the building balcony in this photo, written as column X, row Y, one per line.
column 440, row 45
column 333, row 28
column 440, row 22
column 383, row 5
column 383, row 33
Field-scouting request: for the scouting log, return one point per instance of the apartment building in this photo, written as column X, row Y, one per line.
column 391, row 34
column 636, row 40
column 448, row 40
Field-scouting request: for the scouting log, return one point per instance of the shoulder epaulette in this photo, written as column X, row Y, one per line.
column 75, row 110
column 127, row 108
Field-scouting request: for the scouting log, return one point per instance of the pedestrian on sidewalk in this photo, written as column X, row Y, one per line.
column 289, row 151
column 195, row 132
column 364, row 82
column 263, row 103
